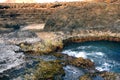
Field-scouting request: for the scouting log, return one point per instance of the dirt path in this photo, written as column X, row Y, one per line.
column 34, row 27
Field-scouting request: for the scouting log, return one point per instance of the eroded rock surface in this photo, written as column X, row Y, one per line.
column 18, row 37
column 10, row 57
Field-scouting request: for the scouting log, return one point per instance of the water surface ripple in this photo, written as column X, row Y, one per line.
column 105, row 54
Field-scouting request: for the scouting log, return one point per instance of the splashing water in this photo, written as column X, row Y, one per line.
column 105, row 54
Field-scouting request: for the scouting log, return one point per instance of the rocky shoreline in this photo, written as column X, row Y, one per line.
column 60, row 29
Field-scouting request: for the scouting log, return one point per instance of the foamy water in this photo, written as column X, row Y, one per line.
column 104, row 54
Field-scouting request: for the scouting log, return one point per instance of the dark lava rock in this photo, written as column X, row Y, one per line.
column 4, row 77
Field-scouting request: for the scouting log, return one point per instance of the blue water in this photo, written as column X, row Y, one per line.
column 105, row 54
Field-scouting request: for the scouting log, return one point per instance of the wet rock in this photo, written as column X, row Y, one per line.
column 4, row 77
column 72, row 73
column 62, row 56
column 51, row 70
column 78, row 62
column 85, row 77
column 89, row 76
column 100, row 76
column 48, row 58
column 82, row 63
column 110, row 76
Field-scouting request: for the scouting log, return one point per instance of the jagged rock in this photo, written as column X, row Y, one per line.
column 18, row 37
column 110, row 76
column 82, row 63
column 10, row 57
column 51, row 70
column 78, row 62
column 43, row 47
column 22, row 34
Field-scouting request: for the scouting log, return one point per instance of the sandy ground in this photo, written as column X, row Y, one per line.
column 46, row 35
column 34, row 27
column 41, row 35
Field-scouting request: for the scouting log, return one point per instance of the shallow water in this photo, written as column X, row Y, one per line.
column 105, row 54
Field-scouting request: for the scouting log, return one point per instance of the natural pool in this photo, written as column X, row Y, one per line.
column 105, row 54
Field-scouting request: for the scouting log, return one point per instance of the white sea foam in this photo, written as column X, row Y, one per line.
column 98, row 56
column 81, row 54
column 104, row 67
column 95, row 54
column 99, row 53
column 75, row 54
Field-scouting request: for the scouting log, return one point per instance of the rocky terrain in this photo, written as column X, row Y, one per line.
column 56, row 25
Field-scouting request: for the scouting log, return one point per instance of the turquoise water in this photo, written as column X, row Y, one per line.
column 105, row 54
